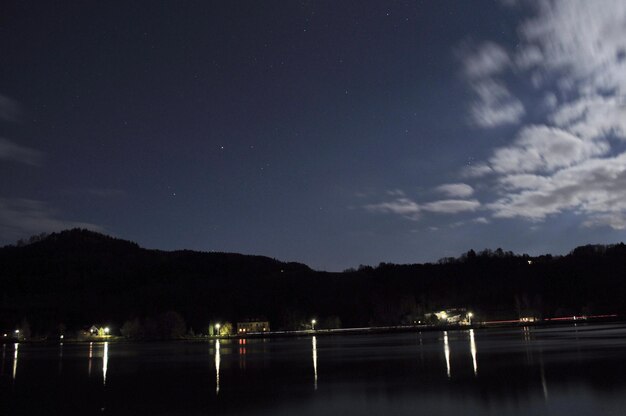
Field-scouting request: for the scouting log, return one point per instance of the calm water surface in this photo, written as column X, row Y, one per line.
column 573, row 370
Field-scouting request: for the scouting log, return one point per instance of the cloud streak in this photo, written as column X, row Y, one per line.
column 14, row 152
column 21, row 218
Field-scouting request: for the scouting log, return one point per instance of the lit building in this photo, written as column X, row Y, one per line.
column 455, row 316
column 251, row 326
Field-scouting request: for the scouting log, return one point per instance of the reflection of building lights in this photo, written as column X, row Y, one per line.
column 473, row 351
column 90, row 358
column 16, row 346
column 105, row 362
column 217, row 366
column 314, row 346
column 446, row 352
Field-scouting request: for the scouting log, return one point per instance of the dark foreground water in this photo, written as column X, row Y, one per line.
column 527, row 371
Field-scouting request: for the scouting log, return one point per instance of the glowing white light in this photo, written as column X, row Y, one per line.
column 105, row 363
column 473, row 351
column 90, row 358
column 16, row 346
column 314, row 346
column 106, row 330
column 217, row 366
column 446, row 352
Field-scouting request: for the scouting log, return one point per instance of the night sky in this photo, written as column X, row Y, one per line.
column 334, row 133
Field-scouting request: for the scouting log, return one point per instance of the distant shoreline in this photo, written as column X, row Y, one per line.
column 329, row 332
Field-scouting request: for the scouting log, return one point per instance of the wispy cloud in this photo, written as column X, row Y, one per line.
column 451, row 206
column 400, row 206
column 16, row 153
column 484, row 60
column 9, row 109
column 495, row 105
column 460, row 190
column 543, row 148
column 21, row 218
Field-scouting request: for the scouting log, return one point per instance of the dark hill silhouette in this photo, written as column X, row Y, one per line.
column 78, row 277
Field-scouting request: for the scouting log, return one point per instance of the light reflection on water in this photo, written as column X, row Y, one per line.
column 473, row 351
column 105, row 362
column 16, row 346
column 522, row 371
column 90, row 357
column 314, row 351
column 446, row 353
column 218, row 359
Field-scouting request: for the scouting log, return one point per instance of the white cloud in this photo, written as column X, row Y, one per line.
column 451, row 206
column 14, row 152
column 595, row 187
column 486, row 60
column 400, row 206
column 412, row 210
column 581, row 38
column 616, row 220
column 21, row 218
column 542, row 148
column 495, row 105
column 460, row 190
column 476, row 170
column 593, row 116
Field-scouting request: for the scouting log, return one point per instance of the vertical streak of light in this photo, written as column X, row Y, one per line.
column 217, row 366
column 473, row 351
column 60, row 357
column 105, row 363
column 446, row 351
column 314, row 346
column 16, row 345
column 90, row 359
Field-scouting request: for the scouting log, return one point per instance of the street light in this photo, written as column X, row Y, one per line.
column 469, row 316
column 313, row 322
column 106, row 330
column 217, row 328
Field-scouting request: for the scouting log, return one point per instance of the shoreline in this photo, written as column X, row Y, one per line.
column 554, row 322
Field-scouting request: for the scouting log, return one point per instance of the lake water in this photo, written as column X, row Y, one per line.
column 569, row 370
